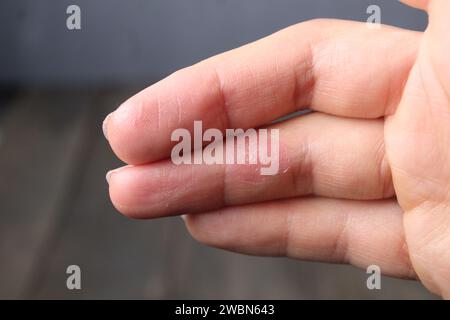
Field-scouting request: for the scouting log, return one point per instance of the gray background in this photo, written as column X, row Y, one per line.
column 129, row 42
column 56, row 87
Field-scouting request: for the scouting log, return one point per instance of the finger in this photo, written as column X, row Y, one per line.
column 341, row 68
column 319, row 229
column 319, row 154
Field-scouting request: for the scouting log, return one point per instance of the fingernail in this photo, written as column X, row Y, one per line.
column 111, row 172
column 108, row 175
column 105, row 126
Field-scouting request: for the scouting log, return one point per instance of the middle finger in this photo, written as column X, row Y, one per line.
column 319, row 154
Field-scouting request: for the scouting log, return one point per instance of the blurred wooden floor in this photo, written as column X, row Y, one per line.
column 55, row 211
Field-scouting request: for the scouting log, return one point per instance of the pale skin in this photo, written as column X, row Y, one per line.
column 364, row 180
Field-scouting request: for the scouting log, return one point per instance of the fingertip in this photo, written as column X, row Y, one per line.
column 215, row 228
column 121, row 180
column 118, row 186
column 117, row 127
column 135, row 131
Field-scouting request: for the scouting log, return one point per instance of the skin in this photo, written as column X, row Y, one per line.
column 364, row 180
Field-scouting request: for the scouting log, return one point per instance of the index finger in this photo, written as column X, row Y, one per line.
column 337, row 67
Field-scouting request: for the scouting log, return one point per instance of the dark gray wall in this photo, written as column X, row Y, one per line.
column 139, row 41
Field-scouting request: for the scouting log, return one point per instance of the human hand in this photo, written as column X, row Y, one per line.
column 363, row 180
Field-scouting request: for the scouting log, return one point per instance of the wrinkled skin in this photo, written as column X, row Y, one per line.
column 364, row 180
